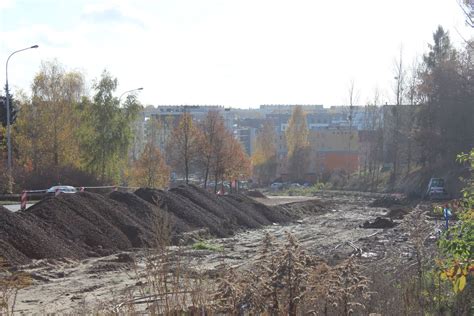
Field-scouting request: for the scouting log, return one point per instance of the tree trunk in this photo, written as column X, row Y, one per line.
column 206, row 172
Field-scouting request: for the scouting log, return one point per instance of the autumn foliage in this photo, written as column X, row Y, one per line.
column 209, row 151
column 298, row 144
column 150, row 170
column 264, row 159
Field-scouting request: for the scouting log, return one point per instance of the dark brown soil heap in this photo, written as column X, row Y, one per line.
column 387, row 201
column 304, row 208
column 222, row 215
column 147, row 214
column 397, row 213
column 184, row 209
column 88, row 224
column 260, row 212
column 24, row 236
column 91, row 220
column 379, row 222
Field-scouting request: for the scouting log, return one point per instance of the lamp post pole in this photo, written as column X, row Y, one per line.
column 9, row 143
column 137, row 89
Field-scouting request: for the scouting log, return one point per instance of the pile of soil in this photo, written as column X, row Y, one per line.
column 256, row 194
column 221, row 215
column 305, row 208
column 379, row 222
column 24, row 237
column 397, row 213
column 88, row 224
column 387, row 201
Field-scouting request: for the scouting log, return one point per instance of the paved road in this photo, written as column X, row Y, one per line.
column 15, row 207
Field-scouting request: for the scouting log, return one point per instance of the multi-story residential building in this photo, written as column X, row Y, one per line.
column 334, row 131
column 246, row 136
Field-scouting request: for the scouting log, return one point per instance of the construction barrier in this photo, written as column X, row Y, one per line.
column 24, row 200
column 25, row 193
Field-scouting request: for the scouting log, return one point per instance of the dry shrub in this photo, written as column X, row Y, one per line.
column 288, row 281
column 282, row 280
column 165, row 286
column 10, row 284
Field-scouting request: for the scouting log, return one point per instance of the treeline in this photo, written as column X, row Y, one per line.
column 63, row 135
column 430, row 121
column 205, row 151
column 265, row 160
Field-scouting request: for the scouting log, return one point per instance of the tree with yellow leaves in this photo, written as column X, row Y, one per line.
column 238, row 164
column 264, row 158
column 47, row 124
column 150, row 170
column 298, row 144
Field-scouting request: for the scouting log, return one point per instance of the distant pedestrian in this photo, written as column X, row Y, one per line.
column 447, row 214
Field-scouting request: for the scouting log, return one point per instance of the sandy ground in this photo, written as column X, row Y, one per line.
column 66, row 286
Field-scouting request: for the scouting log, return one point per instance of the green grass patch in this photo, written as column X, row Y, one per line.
column 300, row 191
column 202, row 245
column 9, row 202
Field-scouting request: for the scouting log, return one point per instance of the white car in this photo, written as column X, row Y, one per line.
column 61, row 189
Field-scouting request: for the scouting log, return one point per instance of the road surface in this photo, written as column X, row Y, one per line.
column 15, row 207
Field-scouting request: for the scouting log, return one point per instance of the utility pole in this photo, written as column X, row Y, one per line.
column 9, row 142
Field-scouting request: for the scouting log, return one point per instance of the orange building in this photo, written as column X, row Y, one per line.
column 333, row 161
column 334, row 149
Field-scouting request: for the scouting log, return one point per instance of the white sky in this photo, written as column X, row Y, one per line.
column 239, row 53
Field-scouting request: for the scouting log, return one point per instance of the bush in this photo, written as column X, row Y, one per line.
column 202, row 245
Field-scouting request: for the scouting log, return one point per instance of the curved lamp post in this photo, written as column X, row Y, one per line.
column 137, row 89
column 9, row 145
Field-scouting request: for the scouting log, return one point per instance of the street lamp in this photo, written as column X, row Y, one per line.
column 9, row 144
column 137, row 89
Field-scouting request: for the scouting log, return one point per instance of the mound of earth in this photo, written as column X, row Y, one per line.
column 397, row 213
column 148, row 214
column 305, row 208
column 221, row 215
column 387, row 201
column 88, row 224
column 379, row 222
column 92, row 221
column 256, row 194
column 24, row 236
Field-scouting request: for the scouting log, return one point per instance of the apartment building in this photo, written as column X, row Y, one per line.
column 334, row 139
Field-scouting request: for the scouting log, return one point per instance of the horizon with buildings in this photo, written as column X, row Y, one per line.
column 338, row 135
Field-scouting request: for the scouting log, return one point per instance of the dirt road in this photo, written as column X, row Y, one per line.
column 16, row 207
column 330, row 228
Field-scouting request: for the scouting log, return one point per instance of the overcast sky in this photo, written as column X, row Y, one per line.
column 239, row 53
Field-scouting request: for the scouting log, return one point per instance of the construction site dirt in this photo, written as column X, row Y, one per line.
column 75, row 276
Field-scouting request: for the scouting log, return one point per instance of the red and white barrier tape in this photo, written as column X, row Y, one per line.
column 24, row 200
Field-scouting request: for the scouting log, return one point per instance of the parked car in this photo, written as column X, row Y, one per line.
column 436, row 190
column 276, row 186
column 60, row 189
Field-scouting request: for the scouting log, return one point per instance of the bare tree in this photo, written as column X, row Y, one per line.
column 212, row 125
column 399, row 76
column 353, row 97
column 412, row 99
column 467, row 7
